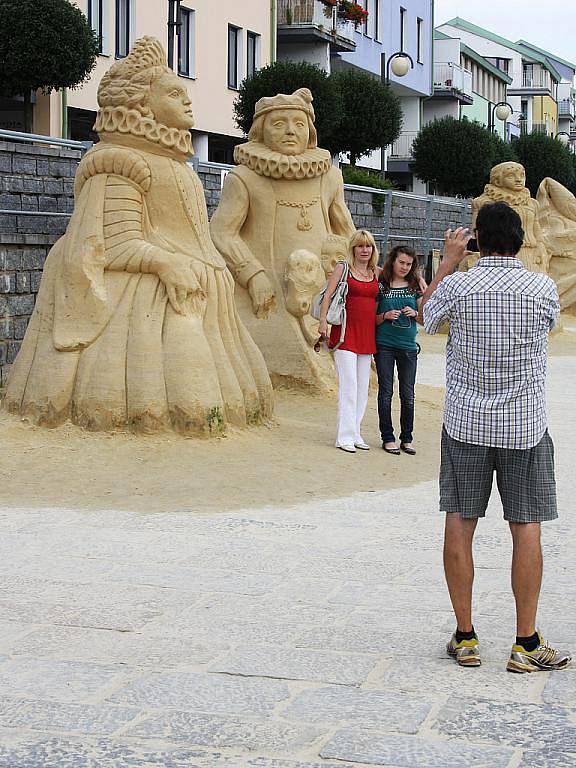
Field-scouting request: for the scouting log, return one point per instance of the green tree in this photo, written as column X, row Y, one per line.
column 454, row 155
column 287, row 77
column 371, row 116
column 542, row 156
column 44, row 44
column 502, row 151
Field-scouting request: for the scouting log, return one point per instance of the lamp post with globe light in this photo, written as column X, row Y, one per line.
column 502, row 110
column 563, row 137
column 400, row 63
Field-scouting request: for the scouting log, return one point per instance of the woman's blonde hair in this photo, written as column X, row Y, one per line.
column 362, row 237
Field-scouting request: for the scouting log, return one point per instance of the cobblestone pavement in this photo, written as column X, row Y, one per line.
column 278, row 638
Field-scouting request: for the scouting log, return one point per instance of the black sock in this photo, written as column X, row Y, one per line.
column 529, row 643
column 465, row 635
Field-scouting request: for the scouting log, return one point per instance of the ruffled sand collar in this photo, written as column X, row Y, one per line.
column 130, row 122
column 265, row 162
column 499, row 195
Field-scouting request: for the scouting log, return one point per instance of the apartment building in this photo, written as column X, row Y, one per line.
column 533, row 92
column 466, row 85
column 219, row 43
column 313, row 30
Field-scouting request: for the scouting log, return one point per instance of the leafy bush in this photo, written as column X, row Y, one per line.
column 542, row 156
column 364, row 178
column 44, row 45
column 371, row 116
column 454, row 155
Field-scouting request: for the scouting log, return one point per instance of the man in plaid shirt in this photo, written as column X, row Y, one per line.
column 499, row 315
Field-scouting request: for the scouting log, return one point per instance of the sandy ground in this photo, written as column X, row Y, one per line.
column 289, row 461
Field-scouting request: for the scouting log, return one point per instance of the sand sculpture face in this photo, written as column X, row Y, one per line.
column 286, row 131
column 279, row 207
column 170, row 102
column 509, row 176
column 135, row 318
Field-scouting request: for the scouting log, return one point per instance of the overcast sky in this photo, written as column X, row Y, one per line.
column 550, row 25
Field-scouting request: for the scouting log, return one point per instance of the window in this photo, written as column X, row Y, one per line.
column 253, row 51
column 402, row 28
column 186, row 43
column 96, row 20
column 420, row 39
column 122, row 28
column 233, row 56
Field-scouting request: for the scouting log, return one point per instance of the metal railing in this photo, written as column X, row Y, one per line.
column 402, row 147
column 36, row 138
column 314, row 13
column 537, row 79
column 452, row 77
column 567, row 108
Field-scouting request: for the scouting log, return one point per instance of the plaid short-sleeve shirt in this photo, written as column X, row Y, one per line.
column 500, row 315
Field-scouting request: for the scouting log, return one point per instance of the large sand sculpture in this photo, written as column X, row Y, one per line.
column 508, row 184
column 135, row 325
column 557, row 219
column 281, row 211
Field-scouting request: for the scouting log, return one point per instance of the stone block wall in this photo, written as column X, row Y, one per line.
column 36, row 188
column 39, row 180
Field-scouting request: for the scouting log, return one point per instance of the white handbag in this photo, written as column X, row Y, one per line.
column 336, row 314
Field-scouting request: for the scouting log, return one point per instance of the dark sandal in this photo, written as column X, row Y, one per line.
column 393, row 451
column 409, row 450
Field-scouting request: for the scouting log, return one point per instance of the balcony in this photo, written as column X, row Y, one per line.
column 310, row 21
column 402, row 147
column 452, row 81
column 534, row 80
column 567, row 108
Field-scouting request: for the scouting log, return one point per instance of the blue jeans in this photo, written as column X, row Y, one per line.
column 405, row 361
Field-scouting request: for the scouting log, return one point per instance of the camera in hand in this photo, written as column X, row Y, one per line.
column 472, row 245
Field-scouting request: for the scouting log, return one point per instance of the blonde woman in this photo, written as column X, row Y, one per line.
column 353, row 357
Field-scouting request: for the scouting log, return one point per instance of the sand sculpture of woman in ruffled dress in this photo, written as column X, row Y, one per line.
column 135, row 325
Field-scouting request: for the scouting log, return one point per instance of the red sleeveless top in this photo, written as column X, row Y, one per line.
column 360, row 334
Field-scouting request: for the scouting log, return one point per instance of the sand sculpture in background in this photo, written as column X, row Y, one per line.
column 280, row 210
column 135, row 324
column 557, row 219
column 508, row 185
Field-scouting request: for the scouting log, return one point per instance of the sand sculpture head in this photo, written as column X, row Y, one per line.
column 334, row 249
column 142, row 97
column 285, row 122
column 508, row 175
column 304, row 278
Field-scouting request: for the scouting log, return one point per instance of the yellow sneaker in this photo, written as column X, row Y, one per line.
column 542, row 659
column 466, row 652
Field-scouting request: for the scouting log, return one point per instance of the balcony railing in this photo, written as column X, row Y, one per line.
column 566, row 108
column 306, row 13
column 537, row 79
column 541, row 127
column 452, row 78
column 402, row 147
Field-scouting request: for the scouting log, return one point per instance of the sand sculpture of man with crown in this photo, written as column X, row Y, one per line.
column 280, row 207
column 135, row 325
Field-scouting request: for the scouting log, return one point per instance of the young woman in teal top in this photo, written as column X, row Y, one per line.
column 401, row 288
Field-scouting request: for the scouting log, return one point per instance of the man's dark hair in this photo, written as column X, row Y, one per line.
column 499, row 229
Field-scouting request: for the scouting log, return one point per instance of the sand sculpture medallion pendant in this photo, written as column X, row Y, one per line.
column 135, row 318
column 303, row 224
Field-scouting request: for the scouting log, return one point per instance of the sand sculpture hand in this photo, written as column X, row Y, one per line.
column 262, row 295
column 184, row 291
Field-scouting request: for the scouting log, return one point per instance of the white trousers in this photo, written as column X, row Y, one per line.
column 353, row 382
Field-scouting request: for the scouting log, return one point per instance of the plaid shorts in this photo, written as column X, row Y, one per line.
column 525, row 480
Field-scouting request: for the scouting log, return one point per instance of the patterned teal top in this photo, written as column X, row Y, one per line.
column 400, row 333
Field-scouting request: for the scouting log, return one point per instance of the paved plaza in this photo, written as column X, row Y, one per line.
column 300, row 637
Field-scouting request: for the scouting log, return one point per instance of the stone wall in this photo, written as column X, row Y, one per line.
column 33, row 179
column 40, row 181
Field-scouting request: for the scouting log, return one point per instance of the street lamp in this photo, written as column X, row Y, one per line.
column 563, row 137
column 400, row 63
column 174, row 25
column 503, row 110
